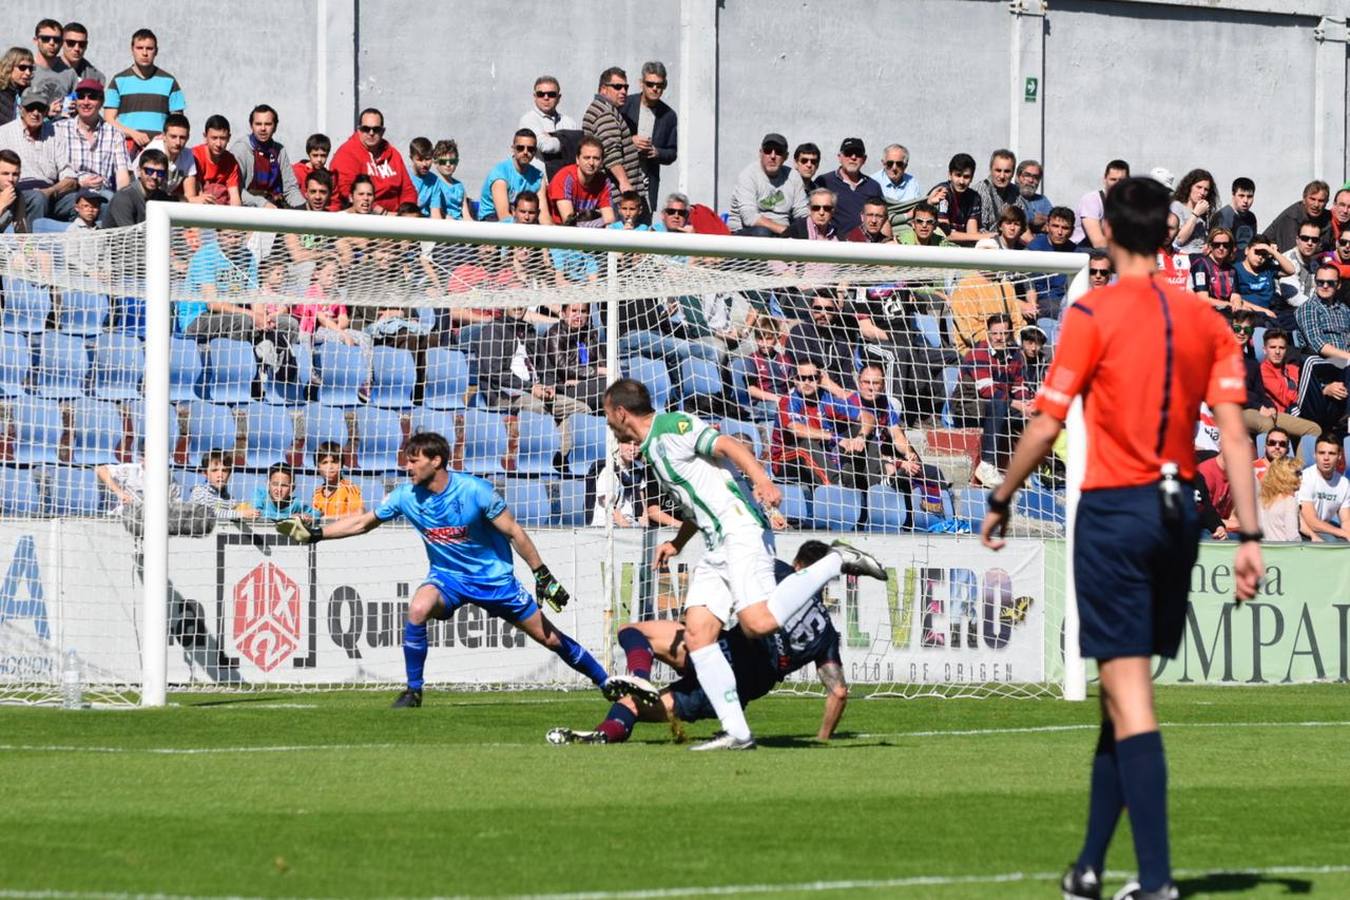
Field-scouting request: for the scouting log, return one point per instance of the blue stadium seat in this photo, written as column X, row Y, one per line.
column 119, row 360
column 244, row 485
column 745, row 432
column 447, row 379
column 924, row 518
column 484, row 442
column 187, row 479
column 528, row 500
column 379, row 435
column 27, row 306
column 1039, row 504
column 97, row 429
column 63, row 365
column 929, row 329
column 742, row 372
column 342, row 372
column 795, row 505
column 886, row 511
column 972, row 503
column 699, row 378
column 83, row 313
column 185, row 369
column 434, row 420
column 572, row 509
column 269, row 434
column 210, row 427
column 231, row 369
column 37, row 430
column 372, row 489
column 293, row 393
column 324, row 424
column 392, row 377
column 1259, row 344
column 128, row 316
column 540, row 442
column 19, row 494
column 652, row 373
column 16, row 361
column 588, row 443
column 836, row 508
column 75, row 492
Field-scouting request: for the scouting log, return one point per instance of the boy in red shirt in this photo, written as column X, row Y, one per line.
column 217, row 177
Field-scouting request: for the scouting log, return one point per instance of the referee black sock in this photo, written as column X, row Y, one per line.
column 1143, row 780
column 1104, row 803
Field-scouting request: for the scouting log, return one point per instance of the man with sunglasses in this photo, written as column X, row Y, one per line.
column 806, row 160
column 545, row 121
column 822, row 219
column 1340, row 258
column 851, row 187
column 604, row 121
column 47, row 49
column 1311, row 208
column 654, row 125
column 95, row 154
column 508, row 178
column 922, row 228
column 768, row 195
column 70, row 67
column 127, row 207
column 33, row 138
column 1324, row 320
column 1278, row 446
column 1304, row 257
column 366, row 152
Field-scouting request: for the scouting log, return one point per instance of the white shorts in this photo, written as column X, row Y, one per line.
column 736, row 574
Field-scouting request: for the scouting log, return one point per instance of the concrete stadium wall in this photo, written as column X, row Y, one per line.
column 1255, row 87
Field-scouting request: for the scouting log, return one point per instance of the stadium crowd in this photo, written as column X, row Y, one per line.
column 828, row 383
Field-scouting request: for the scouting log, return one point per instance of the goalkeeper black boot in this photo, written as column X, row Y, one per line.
column 1081, row 884
column 856, row 562
column 1133, row 891
column 409, row 698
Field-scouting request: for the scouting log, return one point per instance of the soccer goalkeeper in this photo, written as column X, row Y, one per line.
column 469, row 534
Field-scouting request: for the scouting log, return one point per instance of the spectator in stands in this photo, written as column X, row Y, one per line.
column 1037, row 205
column 222, row 274
column 1100, row 269
column 1340, row 258
column 582, row 186
column 266, row 176
column 828, row 342
column 770, row 374
column 127, row 206
column 71, row 67
column 276, row 329
column 1212, row 276
column 1278, row 446
column 1256, row 283
column 654, row 126
column 572, row 357
column 889, row 336
column 1237, row 215
column 997, row 191
column 1324, row 495
column 366, row 152
column 959, row 209
column 42, row 156
column 1009, row 227
column 1283, row 230
column 16, row 73
column 216, row 178
column 898, row 187
column 1218, row 492
column 323, row 316
column 510, row 369
column 976, row 297
column 1340, row 213
column 96, row 155
column 1091, row 208
column 872, row 228
column 172, row 142
column 991, row 393
column 277, row 500
column 821, row 222
column 545, row 121
column 511, row 176
column 1324, row 321
column 630, row 212
column 126, row 482
column 675, row 216
column 806, row 162
column 13, row 217
column 214, row 493
column 446, row 155
column 317, row 148
column 1054, row 238
column 47, row 42
column 768, row 195
column 1035, row 357
column 335, row 496
column 814, row 442
column 1174, row 266
column 850, row 186
column 604, row 120
column 886, row 441
column 1272, row 402
column 922, row 229
column 88, row 208
column 1193, row 202
column 434, row 200
column 304, row 248
column 1278, row 506
column 140, row 98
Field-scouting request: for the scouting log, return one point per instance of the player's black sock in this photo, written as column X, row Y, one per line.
column 618, row 725
column 414, row 653
column 1105, row 802
column 638, row 651
column 1143, row 781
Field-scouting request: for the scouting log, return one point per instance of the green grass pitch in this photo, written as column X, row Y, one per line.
column 335, row 795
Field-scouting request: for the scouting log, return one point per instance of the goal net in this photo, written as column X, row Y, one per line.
column 297, row 353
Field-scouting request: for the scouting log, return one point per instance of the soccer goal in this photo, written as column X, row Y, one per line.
column 171, row 390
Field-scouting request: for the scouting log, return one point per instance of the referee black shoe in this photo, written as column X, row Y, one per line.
column 1132, row 891
column 409, row 698
column 1081, row 884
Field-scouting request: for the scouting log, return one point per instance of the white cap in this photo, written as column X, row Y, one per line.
column 1164, row 177
column 986, row 244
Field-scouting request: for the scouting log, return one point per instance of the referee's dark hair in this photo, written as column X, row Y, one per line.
column 630, row 394
column 429, row 444
column 1136, row 210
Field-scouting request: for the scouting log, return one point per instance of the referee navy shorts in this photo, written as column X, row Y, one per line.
column 509, row 599
column 1132, row 571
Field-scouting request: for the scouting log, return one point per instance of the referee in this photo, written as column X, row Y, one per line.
column 1144, row 355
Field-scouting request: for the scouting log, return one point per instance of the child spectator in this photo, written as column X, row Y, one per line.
column 323, row 317
column 214, row 493
column 317, row 148
column 277, row 501
column 630, row 207
column 335, row 496
column 433, row 196
column 446, row 156
column 771, row 378
column 217, row 178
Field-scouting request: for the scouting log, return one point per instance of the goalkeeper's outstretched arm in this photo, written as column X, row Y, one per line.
column 299, row 529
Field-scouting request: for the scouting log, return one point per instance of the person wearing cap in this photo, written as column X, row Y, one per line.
column 33, row 138
column 851, row 187
column 95, row 154
column 768, row 195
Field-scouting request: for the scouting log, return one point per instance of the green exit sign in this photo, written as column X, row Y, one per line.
column 1033, row 87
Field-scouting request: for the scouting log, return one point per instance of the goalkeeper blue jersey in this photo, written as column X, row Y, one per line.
column 456, row 526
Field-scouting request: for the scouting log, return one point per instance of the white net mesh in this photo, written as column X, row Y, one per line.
column 872, row 393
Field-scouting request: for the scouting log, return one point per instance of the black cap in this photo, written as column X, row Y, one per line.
column 774, row 139
column 94, row 196
column 853, row 145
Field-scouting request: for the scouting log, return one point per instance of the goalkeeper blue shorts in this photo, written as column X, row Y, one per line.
column 509, row 599
column 1132, row 572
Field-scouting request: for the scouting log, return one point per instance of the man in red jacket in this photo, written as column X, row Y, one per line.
column 366, row 152
column 1279, row 381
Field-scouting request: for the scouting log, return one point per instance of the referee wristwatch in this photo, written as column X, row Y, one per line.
column 999, row 506
column 1254, row 537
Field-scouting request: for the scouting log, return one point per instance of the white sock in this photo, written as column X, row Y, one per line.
column 795, row 591
column 719, row 683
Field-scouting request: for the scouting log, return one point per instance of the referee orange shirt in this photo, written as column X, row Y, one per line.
column 1144, row 355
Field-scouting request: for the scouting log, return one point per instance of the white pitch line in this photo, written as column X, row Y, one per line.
column 1048, row 729
column 724, row 890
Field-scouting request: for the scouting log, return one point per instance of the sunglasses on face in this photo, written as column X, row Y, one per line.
column 1243, row 329
column 852, row 154
column 70, row 43
column 895, row 164
column 808, row 377
column 655, row 85
column 1270, row 443
column 1309, row 237
column 49, row 38
column 928, row 223
column 88, row 95
column 1327, row 282
column 372, row 129
column 675, row 211
column 546, row 95
column 808, row 161
column 821, row 207
column 525, row 148
column 24, row 67
column 1221, row 245
column 826, row 308
column 149, row 172
column 1100, row 273
column 617, row 86
column 768, row 150
column 1343, row 243
column 447, row 160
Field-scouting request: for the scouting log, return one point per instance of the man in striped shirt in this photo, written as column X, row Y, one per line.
column 604, row 121
column 141, row 97
column 1324, row 320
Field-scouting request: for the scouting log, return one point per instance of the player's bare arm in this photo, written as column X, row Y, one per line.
column 671, row 548
column 836, row 698
column 298, row 529
column 1236, row 448
column 766, row 492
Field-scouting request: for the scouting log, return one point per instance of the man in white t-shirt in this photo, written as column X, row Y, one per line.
column 1087, row 233
column 173, row 142
column 1324, row 495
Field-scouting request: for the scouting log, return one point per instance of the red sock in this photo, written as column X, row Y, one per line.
column 619, row 724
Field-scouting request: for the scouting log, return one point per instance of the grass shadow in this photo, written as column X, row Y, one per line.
column 1239, row 883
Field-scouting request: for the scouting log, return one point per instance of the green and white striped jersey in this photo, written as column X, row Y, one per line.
column 679, row 449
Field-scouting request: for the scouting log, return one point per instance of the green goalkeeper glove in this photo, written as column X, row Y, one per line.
column 297, row 530
column 548, row 589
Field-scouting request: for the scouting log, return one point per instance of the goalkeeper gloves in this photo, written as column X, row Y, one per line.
column 548, row 589
column 297, row 530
